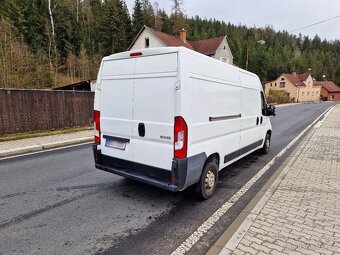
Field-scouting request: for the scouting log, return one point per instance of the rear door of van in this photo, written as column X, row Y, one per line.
column 137, row 109
column 154, row 109
column 116, row 101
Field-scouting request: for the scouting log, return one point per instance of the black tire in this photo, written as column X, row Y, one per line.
column 266, row 145
column 208, row 181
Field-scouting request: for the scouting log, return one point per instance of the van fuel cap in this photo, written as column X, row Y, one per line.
column 141, row 129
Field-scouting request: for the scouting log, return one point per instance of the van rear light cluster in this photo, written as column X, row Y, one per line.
column 136, row 54
column 180, row 138
column 96, row 122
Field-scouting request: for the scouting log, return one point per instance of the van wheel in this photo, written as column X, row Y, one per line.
column 266, row 145
column 208, row 181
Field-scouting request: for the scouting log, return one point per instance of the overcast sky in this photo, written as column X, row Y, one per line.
column 281, row 14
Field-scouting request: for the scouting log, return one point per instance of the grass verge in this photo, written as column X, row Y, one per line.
column 16, row 136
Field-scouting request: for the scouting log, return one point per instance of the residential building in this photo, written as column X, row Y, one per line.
column 330, row 91
column 217, row 47
column 298, row 87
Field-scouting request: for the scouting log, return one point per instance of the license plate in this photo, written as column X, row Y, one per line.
column 115, row 144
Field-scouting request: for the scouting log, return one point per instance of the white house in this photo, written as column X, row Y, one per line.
column 217, row 47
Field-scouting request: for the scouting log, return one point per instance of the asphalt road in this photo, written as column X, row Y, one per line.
column 58, row 203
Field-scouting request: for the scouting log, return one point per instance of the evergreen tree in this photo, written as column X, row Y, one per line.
column 87, row 30
column 137, row 18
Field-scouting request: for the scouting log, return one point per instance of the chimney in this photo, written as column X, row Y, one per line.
column 294, row 73
column 183, row 35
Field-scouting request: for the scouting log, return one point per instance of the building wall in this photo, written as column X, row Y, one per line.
column 299, row 94
column 275, row 85
column 223, row 51
column 310, row 92
column 154, row 42
column 335, row 96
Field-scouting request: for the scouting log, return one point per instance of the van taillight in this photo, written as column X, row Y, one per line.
column 180, row 138
column 96, row 122
column 136, row 54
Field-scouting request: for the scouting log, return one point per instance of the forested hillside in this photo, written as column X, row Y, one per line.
column 46, row 43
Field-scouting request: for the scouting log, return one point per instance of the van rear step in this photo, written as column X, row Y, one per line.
column 184, row 173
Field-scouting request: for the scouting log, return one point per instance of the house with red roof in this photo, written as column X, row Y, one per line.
column 298, row 87
column 217, row 47
column 330, row 91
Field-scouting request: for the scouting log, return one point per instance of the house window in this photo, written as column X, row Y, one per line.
column 282, row 79
column 303, row 93
column 224, row 60
column 147, row 42
column 307, row 93
column 287, row 94
column 271, row 84
column 275, row 84
column 282, row 84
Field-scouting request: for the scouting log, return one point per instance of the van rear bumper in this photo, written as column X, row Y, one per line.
column 183, row 173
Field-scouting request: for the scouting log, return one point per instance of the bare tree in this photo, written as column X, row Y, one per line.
column 52, row 41
column 177, row 15
column 77, row 10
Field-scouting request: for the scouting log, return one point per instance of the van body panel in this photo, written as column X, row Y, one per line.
column 251, row 113
column 215, row 121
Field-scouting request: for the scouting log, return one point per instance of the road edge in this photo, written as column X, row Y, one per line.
column 43, row 147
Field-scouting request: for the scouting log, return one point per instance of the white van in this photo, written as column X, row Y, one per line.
column 172, row 117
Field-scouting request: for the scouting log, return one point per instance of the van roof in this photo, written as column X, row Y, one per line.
column 167, row 50
column 145, row 52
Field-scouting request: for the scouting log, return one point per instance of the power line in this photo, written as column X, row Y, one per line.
column 317, row 23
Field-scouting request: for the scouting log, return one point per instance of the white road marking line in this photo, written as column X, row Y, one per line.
column 200, row 231
column 37, row 152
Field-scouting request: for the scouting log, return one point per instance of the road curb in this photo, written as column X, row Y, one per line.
column 42, row 147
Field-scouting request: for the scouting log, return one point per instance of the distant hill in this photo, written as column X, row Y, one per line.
column 46, row 43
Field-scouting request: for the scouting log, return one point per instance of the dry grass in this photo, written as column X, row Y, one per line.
column 16, row 136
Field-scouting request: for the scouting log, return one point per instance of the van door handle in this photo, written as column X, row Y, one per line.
column 141, row 129
column 257, row 121
column 261, row 120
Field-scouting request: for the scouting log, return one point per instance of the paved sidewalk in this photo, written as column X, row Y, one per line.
column 300, row 213
column 22, row 146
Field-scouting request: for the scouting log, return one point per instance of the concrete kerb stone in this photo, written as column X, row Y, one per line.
column 284, row 105
column 23, row 150
column 41, row 147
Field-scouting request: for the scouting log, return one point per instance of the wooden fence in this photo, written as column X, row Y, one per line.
column 33, row 110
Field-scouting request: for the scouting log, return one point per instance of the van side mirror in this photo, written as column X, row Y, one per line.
column 271, row 110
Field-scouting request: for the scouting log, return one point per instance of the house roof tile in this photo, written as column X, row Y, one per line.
column 208, row 46
column 330, row 86
column 297, row 79
column 170, row 40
